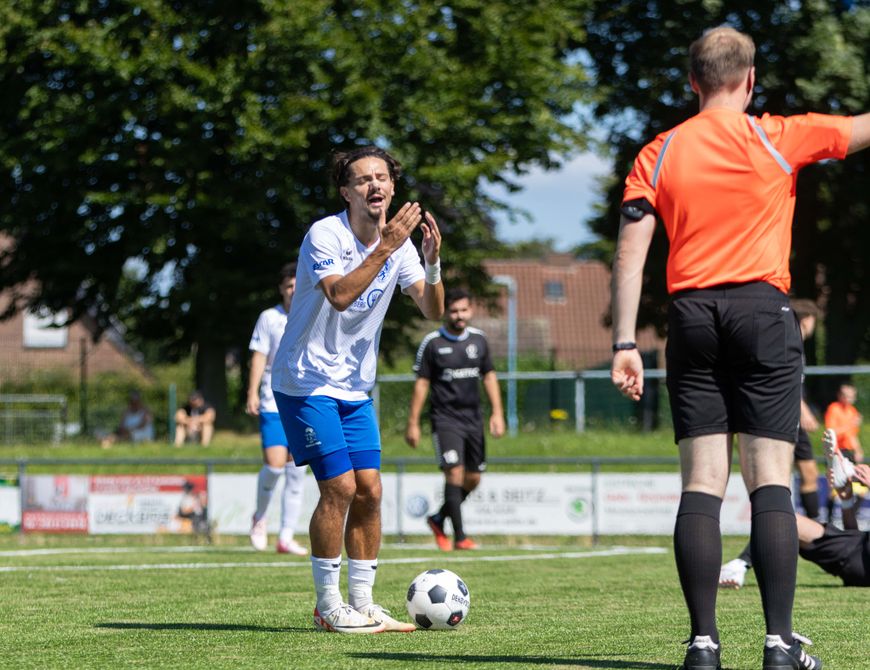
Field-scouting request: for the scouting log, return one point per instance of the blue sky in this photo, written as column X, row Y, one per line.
column 558, row 201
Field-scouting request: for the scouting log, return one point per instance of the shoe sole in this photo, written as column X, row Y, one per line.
column 283, row 550
column 325, row 627
column 402, row 628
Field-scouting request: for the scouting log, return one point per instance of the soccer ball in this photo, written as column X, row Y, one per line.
column 438, row 600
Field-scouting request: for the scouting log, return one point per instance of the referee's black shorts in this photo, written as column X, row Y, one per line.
column 734, row 362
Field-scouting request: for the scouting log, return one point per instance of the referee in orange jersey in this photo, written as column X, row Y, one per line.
column 723, row 183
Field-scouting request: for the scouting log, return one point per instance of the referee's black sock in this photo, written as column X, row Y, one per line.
column 453, row 509
column 774, row 542
column 698, row 550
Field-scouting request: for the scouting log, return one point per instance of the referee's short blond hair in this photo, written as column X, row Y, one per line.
column 720, row 59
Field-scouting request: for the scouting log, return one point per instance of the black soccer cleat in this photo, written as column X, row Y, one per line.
column 702, row 654
column 779, row 656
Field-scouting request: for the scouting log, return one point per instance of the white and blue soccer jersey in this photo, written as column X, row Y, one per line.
column 332, row 353
column 265, row 339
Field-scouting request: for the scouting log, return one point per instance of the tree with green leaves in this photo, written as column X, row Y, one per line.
column 811, row 57
column 161, row 159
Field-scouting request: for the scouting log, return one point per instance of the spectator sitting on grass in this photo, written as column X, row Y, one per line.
column 195, row 421
column 136, row 424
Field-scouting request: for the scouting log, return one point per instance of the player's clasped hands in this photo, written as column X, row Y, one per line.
column 399, row 228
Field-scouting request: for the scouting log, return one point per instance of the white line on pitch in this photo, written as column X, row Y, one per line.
column 471, row 556
column 121, row 550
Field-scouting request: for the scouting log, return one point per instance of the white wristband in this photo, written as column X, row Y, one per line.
column 847, row 503
column 433, row 272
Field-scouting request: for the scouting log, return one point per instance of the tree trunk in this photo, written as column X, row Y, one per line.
column 211, row 379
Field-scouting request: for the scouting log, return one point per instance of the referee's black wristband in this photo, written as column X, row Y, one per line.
column 624, row 346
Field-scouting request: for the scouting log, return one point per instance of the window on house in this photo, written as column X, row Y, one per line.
column 554, row 291
column 41, row 330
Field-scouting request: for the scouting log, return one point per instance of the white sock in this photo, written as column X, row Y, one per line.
column 266, row 481
column 360, row 580
column 291, row 500
column 327, row 572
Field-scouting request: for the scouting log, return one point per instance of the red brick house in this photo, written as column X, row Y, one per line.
column 28, row 344
column 561, row 308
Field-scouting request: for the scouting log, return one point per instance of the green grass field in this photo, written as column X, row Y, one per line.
column 161, row 602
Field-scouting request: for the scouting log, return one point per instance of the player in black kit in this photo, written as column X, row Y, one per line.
column 452, row 361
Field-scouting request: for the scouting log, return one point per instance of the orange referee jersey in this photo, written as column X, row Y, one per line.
column 724, row 185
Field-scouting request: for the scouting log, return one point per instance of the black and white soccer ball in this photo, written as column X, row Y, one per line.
column 438, row 600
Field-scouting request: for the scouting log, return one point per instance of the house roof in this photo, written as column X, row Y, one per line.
column 562, row 304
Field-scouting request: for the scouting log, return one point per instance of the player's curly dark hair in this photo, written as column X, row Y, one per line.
column 342, row 161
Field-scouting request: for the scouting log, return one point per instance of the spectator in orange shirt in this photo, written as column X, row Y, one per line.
column 844, row 419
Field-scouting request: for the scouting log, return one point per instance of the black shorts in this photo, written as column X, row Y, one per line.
column 803, row 448
column 734, row 362
column 842, row 553
column 457, row 444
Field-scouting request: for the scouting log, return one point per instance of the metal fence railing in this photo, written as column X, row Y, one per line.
column 581, row 398
column 30, row 417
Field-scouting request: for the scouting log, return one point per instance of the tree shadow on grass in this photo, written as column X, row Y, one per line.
column 136, row 625
column 527, row 661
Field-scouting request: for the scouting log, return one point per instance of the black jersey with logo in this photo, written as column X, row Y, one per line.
column 454, row 367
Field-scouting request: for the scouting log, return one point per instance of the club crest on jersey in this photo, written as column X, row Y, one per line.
column 373, row 297
column 311, row 440
column 471, row 351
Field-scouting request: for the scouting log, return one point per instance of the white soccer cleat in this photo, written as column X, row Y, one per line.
column 840, row 467
column 291, row 547
column 259, row 536
column 391, row 625
column 732, row 574
column 345, row 619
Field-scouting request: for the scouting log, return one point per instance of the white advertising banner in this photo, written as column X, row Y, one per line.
column 523, row 504
column 138, row 504
column 233, row 499
column 646, row 504
column 10, row 507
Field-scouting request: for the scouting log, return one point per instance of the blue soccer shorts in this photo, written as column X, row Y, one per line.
column 271, row 430
column 333, row 436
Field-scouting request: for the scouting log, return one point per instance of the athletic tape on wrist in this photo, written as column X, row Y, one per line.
column 433, row 272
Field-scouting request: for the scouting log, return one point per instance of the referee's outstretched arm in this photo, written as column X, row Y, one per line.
column 860, row 134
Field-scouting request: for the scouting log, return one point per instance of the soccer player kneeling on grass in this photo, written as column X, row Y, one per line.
column 349, row 266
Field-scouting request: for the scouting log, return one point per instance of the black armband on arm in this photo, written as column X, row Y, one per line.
column 635, row 210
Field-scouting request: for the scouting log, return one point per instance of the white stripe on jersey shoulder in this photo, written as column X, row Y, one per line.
column 476, row 331
column 422, row 348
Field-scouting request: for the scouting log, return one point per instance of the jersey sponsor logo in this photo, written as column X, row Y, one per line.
column 445, row 350
column 347, row 254
column 311, row 440
column 319, row 265
column 471, row 351
column 449, row 374
column 373, row 297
